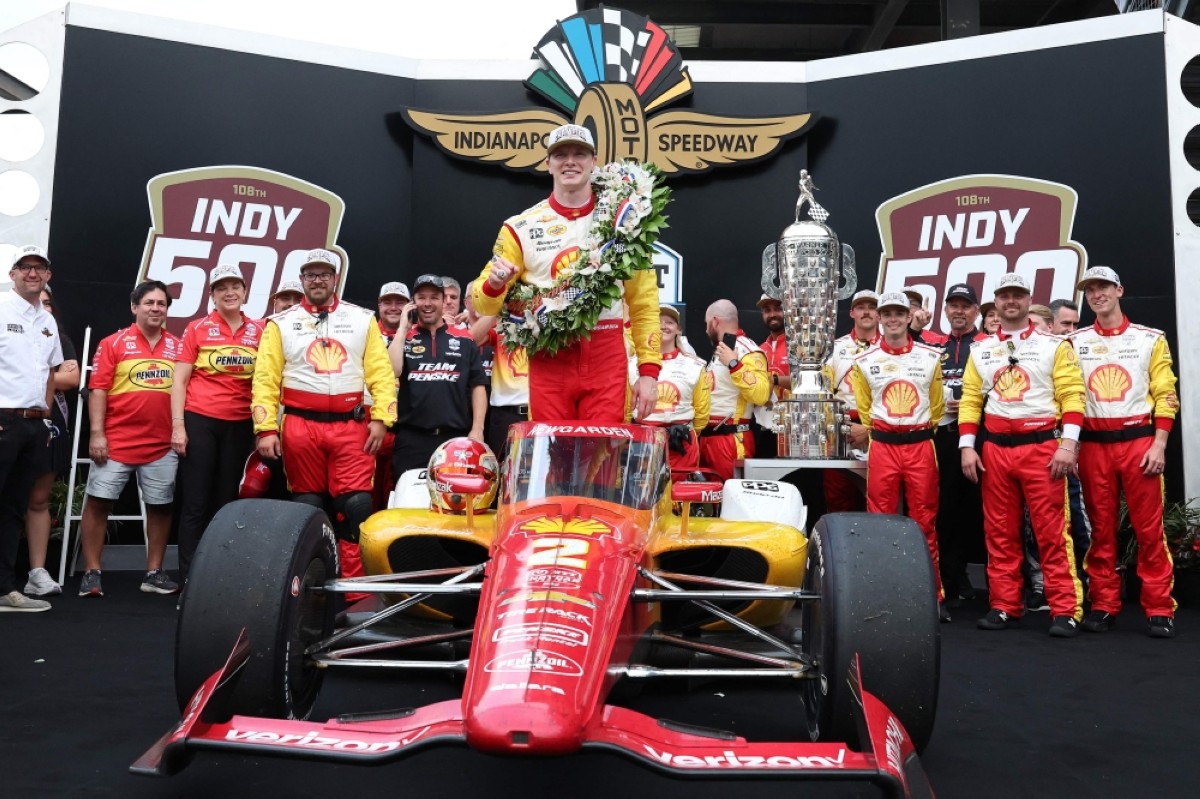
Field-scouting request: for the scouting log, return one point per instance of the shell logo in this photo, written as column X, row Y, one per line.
column 326, row 356
column 565, row 260
column 1110, row 383
column 668, row 397
column 518, row 361
column 900, row 398
column 1012, row 384
column 558, row 524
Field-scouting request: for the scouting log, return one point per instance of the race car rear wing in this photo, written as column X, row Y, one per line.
column 679, row 750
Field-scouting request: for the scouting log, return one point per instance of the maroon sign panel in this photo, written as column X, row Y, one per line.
column 974, row 229
column 264, row 222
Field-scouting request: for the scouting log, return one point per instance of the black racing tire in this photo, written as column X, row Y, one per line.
column 878, row 599
column 257, row 566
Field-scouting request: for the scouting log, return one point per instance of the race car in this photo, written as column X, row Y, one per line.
column 593, row 575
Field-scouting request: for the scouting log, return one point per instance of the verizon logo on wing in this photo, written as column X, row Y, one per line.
column 975, row 229
column 732, row 760
column 315, row 740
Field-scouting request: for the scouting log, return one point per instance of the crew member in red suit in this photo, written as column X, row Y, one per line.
column 776, row 348
column 1031, row 381
column 739, row 381
column 898, row 390
column 1131, row 406
column 314, row 361
column 683, row 395
column 842, row 493
column 585, row 381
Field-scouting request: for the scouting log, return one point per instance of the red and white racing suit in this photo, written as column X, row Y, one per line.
column 728, row 439
column 683, row 398
column 842, row 493
column 900, row 400
column 1130, row 396
column 1030, row 380
column 585, row 381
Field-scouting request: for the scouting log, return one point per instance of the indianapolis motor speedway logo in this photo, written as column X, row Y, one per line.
column 611, row 71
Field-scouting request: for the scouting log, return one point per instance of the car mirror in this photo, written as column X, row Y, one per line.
column 696, row 492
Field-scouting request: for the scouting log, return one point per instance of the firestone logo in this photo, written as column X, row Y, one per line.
column 976, row 229
column 608, row 69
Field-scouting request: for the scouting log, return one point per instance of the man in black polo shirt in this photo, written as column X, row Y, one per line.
column 960, row 507
column 443, row 391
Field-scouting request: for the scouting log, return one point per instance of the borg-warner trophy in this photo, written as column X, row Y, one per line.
column 801, row 270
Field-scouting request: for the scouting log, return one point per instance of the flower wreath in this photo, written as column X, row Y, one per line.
column 630, row 199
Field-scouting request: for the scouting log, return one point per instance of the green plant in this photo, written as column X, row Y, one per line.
column 58, row 505
column 1181, row 525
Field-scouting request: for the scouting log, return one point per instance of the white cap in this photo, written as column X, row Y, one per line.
column 30, row 251
column 320, row 256
column 865, row 294
column 565, row 134
column 288, row 286
column 764, row 299
column 1012, row 280
column 225, row 272
column 669, row 310
column 894, row 299
column 1095, row 273
column 394, row 289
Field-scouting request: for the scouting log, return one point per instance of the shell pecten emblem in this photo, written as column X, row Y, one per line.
column 900, row 398
column 668, row 397
column 1012, row 384
column 1110, row 383
column 557, row 524
column 611, row 71
column 326, row 356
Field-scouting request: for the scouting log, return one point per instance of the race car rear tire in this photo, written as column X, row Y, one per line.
column 256, row 568
column 878, row 599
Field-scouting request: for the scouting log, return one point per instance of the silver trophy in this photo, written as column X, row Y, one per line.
column 801, row 270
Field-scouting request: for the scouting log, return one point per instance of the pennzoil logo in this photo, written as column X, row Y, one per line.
column 975, row 229
column 152, row 374
column 611, row 71
column 232, row 360
column 263, row 221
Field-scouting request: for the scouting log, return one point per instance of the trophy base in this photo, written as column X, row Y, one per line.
column 811, row 429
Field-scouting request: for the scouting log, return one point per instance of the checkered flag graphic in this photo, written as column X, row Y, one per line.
column 625, row 37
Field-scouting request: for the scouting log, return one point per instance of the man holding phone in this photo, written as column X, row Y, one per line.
column 739, row 380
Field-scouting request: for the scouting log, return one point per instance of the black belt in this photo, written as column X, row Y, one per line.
column 725, row 429
column 1112, row 436
column 523, row 410
column 910, row 437
column 26, row 413
column 1003, row 440
column 435, row 431
column 358, row 414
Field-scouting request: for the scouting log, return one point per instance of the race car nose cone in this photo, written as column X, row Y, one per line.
column 527, row 728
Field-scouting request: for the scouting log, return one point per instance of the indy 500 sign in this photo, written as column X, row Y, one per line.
column 975, row 228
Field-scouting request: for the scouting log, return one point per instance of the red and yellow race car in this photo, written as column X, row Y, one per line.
column 594, row 572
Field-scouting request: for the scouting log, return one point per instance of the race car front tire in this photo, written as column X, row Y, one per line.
column 878, row 600
column 259, row 566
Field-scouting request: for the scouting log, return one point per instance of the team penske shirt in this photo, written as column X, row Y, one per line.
column 1127, row 371
column 138, row 380
column 899, row 390
column 223, row 366
column 735, row 393
column 440, row 370
column 683, row 392
column 510, row 373
column 837, row 369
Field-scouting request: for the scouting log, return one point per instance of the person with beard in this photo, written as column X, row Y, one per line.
column 960, row 506
column 739, row 380
column 393, row 299
column 315, row 360
column 443, row 392
column 842, row 492
column 776, row 347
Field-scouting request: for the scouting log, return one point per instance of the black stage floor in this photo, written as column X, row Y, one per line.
column 87, row 687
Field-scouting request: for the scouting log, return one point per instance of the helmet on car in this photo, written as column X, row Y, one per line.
column 461, row 456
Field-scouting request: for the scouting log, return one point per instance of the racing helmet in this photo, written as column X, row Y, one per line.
column 461, row 456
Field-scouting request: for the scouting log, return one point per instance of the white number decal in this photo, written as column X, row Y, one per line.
column 555, row 551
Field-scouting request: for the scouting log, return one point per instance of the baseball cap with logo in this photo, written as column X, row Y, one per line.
column 429, row 280
column 573, row 134
column 319, row 256
column 962, row 291
column 394, row 289
column 766, row 298
column 894, row 299
column 914, row 296
column 225, row 272
column 30, row 251
column 1012, row 280
column 288, row 287
column 1098, row 273
column 866, row 295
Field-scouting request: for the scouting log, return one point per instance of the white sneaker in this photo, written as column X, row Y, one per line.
column 41, row 584
column 16, row 602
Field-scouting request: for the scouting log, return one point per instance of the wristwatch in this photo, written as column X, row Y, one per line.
column 732, row 363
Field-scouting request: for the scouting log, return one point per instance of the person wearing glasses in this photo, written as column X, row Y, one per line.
column 29, row 352
column 314, row 361
column 1032, row 383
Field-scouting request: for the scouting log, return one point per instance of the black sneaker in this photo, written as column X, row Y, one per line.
column 943, row 614
column 90, row 584
column 1064, row 627
column 1037, row 601
column 1099, row 621
column 996, row 620
column 1161, row 627
column 157, row 582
